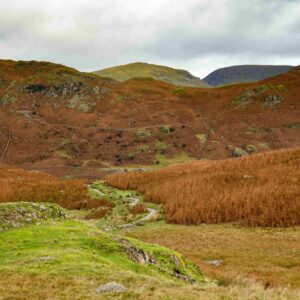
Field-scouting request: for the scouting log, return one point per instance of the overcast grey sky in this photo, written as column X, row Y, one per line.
column 197, row 35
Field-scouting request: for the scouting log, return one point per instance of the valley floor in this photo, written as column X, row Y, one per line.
column 70, row 258
column 270, row 256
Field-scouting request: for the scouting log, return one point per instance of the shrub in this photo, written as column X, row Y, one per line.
column 142, row 133
column 139, row 209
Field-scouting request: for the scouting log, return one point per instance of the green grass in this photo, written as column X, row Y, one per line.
column 63, row 154
column 161, row 147
column 161, row 160
column 143, row 148
column 79, row 253
column 143, row 133
column 77, row 248
column 264, row 146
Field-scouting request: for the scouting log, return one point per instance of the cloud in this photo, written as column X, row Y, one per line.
column 199, row 35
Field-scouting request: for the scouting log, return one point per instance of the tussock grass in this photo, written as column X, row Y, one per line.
column 259, row 190
column 17, row 185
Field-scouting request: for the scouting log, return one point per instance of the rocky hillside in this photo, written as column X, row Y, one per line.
column 243, row 73
column 68, row 123
column 144, row 70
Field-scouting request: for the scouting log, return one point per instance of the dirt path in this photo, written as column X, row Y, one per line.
column 133, row 201
column 151, row 214
column 96, row 191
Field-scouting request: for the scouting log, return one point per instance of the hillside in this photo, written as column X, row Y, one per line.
column 259, row 190
column 243, row 73
column 68, row 123
column 143, row 70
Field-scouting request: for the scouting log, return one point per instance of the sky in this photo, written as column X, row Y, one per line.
column 197, row 35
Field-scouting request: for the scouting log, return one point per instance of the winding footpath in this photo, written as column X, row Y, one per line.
column 152, row 213
column 96, row 191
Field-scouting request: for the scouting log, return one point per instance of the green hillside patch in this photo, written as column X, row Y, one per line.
column 144, row 70
column 86, row 257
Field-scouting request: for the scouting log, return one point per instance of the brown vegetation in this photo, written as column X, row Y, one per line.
column 258, row 190
column 18, row 185
column 100, row 213
column 67, row 122
column 139, row 208
column 268, row 255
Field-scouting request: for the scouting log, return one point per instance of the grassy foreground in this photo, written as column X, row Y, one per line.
column 267, row 255
column 70, row 259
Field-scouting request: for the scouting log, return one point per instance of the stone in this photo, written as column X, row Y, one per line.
column 247, row 176
column 176, row 261
column 250, row 148
column 84, row 107
column 111, row 287
column 135, row 254
column 46, row 258
column 7, row 100
column 239, row 152
column 216, row 262
column 272, row 101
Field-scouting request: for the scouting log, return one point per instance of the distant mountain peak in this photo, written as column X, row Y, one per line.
column 244, row 73
column 141, row 69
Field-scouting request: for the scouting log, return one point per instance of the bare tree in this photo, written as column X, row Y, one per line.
column 9, row 138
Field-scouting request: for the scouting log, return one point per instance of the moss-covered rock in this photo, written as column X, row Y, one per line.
column 238, row 152
column 18, row 214
column 250, row 148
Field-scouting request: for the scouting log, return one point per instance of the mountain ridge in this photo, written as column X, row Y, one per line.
column 170, row 75
column 244, row 73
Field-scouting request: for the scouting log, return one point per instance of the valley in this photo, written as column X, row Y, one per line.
column 140, row 189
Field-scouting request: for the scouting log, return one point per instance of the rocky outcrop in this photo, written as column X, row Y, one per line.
column 13, row 215
column 136, row 254
column 273, row 100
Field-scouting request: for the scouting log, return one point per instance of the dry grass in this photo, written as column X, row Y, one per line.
column 258, row 190
column 139, row 209
column 17, row 185
column 98, row 213
column 47, row 287
column 269, row 256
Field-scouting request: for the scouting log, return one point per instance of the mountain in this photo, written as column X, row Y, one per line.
column 68, row 123
column 243, row 73
column 144, row 70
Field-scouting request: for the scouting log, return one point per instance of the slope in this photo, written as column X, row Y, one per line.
column 259, row 190
column 243, row 73
column 68, row 123
column 144, row 70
